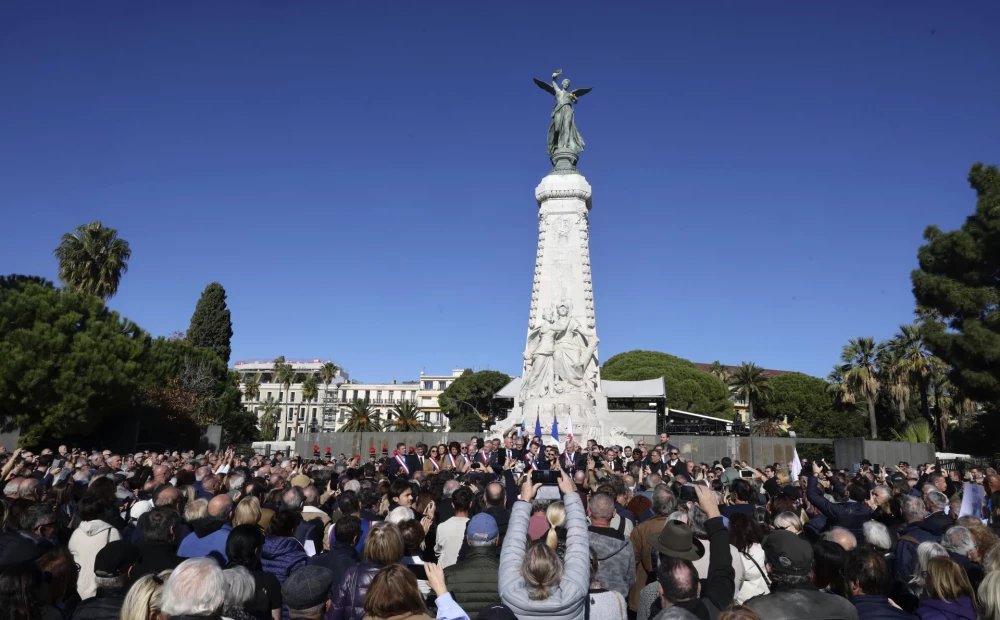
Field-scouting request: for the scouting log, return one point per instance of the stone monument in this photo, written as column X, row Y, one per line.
column 561, row 376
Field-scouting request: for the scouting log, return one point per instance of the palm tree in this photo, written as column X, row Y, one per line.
column 310, row 391
column 893, row 376
column 270, row 412
column 918, row 431
column 859, row 359
column 719, row 370
column 328, row 372
column 407, row 415
column 750, row 384
column 361, row 419
column 915, row 361
column 837, row 388
column 251, row 389
column 92, row 260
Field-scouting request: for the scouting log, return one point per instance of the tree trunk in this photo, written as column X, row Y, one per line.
column 902, row 411
column 871, row 417
column 943, row 424
column 750, row 414
column 961, row 418
column 925, row 403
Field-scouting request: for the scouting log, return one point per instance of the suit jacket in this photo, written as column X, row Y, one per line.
column 579, row 462
column 429, row 466
column 395, row 468
column 502, row 455
column 527, row 461
column 492, row 461
column 446, row 462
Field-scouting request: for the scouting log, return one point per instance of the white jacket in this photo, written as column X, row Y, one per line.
column 753, row 581
column 86, row 541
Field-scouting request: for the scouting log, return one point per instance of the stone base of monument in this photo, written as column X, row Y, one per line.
column 591, row 419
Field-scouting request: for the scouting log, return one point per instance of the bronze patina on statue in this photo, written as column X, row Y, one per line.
column 565, row 143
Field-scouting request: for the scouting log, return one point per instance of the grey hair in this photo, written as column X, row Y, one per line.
column 883, row 491
column 788, row 519
column 353, row 485
column 195, row 588
column 989, row 596
column 937, row 500
column 991, row 561
column 111, row 583
column 482, row 543
column 82, row 475
column 696, row 519
column 236, row 481
column 925, row 551
column 449, row 488
column 399, row 514
column 664, row 501
column 913, row 509
column 239, row 588
column 678, row 515
column 293, row 498
column 27, row 488
column 11, row 487
column 958, row 539
column 835, row 532
column 877, row 535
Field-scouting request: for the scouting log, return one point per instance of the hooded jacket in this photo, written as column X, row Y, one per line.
column 89, row 538
column 934, row 609
column 473, row 581
column 566, row 599
column 616, row 557
column 281, row 555
column 207, row 540
column 349, row 601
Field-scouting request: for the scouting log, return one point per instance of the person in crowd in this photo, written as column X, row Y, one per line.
column 247, row 511
column 614, row 551
column 144, row 598
column 195, row 589
column 555, row 535
column 60, row 597
column 603, row 604
column 534, row 582
column 158, row 549
column 92, row 535
column 697, row 520
column 282, row 553
column 664, row 503
column 240, row 594
column 393, row 594
column 342, row 554
column 384, row 546
column 473, row 580
column 829, row 566
column 961, row 548
column 210, row 533
column 112, row 578
column 793, row 596
column 988, row 596
column 868, row 580
column 746, row 535
column 244, row 548
column 850, row 515
column 307, row 592
column 915, row 532
column 949, row 594
column 451, row 533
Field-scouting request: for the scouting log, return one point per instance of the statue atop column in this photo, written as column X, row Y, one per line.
column 564, row 141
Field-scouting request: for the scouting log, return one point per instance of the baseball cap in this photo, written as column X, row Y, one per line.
column 787, row 553
column 115, row 559
column 301, row 480
column 482, row 527
column 307, row 587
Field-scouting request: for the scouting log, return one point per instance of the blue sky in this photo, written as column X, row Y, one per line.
column 360, row 176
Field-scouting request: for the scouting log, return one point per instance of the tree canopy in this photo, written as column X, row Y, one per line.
column 688, row 388
column 211, row 324
column 807, row 404
column 92, row 260
column 957, row 288
column 468, row 395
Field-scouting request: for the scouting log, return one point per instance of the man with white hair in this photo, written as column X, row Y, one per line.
column 960, row 546
column 196, row 589
column 937, row 521
column 877, row 536
column 842, row 537
column 910, row 537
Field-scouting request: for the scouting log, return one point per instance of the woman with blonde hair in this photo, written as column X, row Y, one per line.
column 534, row 582
column 383, row 546
column 951, row 594
column 925, row 552
column 247, row 511
column 989, row 597
column 196, row 510
column 143, row 599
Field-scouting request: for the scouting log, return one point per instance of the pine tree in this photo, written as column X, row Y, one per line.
column 211, row 326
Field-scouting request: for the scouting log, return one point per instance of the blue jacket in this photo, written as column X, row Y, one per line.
column 873, row 607
column 906, row 550
column 206, row 541
column 851, row 515
column 933, row 609
column 281, row 555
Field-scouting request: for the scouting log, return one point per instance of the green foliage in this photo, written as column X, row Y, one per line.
column 688, row 388
column 957, row 287
column 794, row 396
column 749, row 384
column 916, row 432
column 211, row 324
column 860, row 373
column 92, row 260
column 405, row 417
column 251, row 388
column 470, row 396
column 270, row 413
column 361, row 419
column 328, row 373
column 66, row 361
column 465, row 422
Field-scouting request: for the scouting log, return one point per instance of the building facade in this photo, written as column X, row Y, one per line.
column 329, row 410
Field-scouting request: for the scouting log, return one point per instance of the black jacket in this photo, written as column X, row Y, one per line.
column 802, row 603
column 155, row 557
column 473, row 581
column 850, row 515
column 338, row 559
column 937, row 523
column 107, row 605
column 718, row 590
column 348, row 602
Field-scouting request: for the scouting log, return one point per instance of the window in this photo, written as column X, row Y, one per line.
column 343, row 395
column 291, row 397
column 281, row 396
column 378, row 396
column 300, row 429
column 269, row 396
column 428, row 385
column 314, row 413
column 368, row 395
column 291, row 415
column 355, row 397
column 413, row 396
column 442, row 385
column 288, row 433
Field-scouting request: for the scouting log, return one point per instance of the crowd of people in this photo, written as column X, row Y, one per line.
column 492, row 529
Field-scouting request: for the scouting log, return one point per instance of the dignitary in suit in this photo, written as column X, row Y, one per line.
column 508, row 452
column 455, row 460
column 570, row 459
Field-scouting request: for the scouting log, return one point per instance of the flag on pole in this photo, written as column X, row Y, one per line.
column 538, row 426
column 555, row 429
column 520, row 429
column 795, row 466
column 569, row 427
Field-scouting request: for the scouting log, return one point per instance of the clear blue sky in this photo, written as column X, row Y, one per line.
column 360, row 175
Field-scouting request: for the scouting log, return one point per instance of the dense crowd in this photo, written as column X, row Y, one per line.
column 506, row 528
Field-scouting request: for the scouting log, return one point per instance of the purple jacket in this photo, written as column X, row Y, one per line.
column 933, row 609
column 281, row 555
column 349, row 601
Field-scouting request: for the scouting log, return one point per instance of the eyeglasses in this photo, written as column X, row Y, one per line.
column 675, row 454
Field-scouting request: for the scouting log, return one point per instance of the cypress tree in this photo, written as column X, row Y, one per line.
column 211, row 326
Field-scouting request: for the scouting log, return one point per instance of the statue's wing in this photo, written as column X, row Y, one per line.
column 581, row 92
column 545, row 86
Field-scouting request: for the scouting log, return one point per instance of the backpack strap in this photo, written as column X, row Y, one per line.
column 909, row 538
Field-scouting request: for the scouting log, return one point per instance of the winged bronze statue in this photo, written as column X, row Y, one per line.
column 563, row 135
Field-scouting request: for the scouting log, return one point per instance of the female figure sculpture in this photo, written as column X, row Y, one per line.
column 563, row 135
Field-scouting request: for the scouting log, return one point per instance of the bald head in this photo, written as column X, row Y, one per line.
column 160, row 473
column 992, row 482
column 167, row 496
column 220, row 507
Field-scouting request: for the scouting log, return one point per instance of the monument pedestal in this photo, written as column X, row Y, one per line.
column 561, row 377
